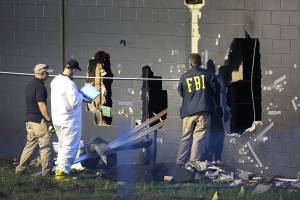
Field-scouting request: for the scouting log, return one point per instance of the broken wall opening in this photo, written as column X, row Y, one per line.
column 244, row 92
column 101, row 107
column 154, row 100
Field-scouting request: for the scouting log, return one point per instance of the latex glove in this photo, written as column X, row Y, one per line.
column 50, row 127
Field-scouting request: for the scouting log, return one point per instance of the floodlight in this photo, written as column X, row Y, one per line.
column 193, row 2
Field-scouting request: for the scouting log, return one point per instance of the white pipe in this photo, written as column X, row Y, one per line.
column 196, row 15
column 195, row 33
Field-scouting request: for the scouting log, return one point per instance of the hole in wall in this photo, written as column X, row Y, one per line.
column 154, row 98
column 244, row 91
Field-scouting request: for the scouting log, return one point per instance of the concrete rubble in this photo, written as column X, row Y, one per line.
column 238, row 178
column 212, row 172
column 260, row 188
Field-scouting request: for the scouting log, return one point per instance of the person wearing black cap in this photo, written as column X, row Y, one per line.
column 38, row 121
column 66, row 101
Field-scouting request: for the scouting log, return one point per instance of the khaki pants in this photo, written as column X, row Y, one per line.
column 193, row 140
column 37, row 134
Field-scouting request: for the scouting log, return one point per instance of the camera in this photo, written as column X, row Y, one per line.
column 193, row 2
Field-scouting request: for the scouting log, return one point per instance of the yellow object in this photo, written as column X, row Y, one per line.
column 216, row 196
column 242, row 191
column 60, row 176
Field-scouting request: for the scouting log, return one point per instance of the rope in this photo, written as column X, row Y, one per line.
column 108, row 78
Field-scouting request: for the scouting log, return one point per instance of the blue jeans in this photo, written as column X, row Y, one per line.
column 215, row 145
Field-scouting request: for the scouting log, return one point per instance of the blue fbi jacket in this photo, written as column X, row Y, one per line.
column 199, row 90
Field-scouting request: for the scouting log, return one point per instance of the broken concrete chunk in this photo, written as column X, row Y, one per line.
column 246, row 176
column 168, row 178
column 255, row 125
column 296, row 184
column 236, row 182
column 224, row 177
column 197, row 165
column 260, row 188
column 282, row 184
column 212, row 175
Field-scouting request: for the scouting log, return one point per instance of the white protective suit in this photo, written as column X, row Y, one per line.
column 66, row 114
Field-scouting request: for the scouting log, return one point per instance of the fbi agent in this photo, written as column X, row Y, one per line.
column 38, row 121
column 197, row 88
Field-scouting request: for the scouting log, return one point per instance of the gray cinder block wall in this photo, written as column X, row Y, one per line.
column 29, row 34
column 276, row 24
column 157, row 33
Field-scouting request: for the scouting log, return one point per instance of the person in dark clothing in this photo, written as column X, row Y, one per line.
column 216, row 132
column 197, row 88
column 38, row 121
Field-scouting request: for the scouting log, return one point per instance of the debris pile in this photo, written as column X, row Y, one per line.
column 221, row 173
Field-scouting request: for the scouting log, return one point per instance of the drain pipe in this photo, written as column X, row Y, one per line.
column 194, row 7
column 62, row 32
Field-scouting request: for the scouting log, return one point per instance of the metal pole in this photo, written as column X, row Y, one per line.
column 154, row 146
column 62, row 32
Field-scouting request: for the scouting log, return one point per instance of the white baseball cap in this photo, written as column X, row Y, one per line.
column 39, row 68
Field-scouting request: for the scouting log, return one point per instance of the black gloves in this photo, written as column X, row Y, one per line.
column 50, row 127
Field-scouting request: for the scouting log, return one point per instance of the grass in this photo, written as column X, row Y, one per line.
column 89, row 186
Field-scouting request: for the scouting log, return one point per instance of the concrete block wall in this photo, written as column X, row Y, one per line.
column 157, row 33
column 29, row 35
column 276, row 24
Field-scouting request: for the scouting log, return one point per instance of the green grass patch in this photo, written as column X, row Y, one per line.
column 89, row 186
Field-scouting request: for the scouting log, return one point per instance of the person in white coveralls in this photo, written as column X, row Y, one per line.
column 66, row 101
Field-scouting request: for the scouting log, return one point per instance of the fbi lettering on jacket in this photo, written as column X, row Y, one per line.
column 195, row 83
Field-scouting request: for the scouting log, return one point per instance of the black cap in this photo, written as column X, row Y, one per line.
column 73, row 64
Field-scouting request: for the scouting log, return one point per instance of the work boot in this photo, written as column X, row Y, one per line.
column 20, row 170
column 61, row 176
